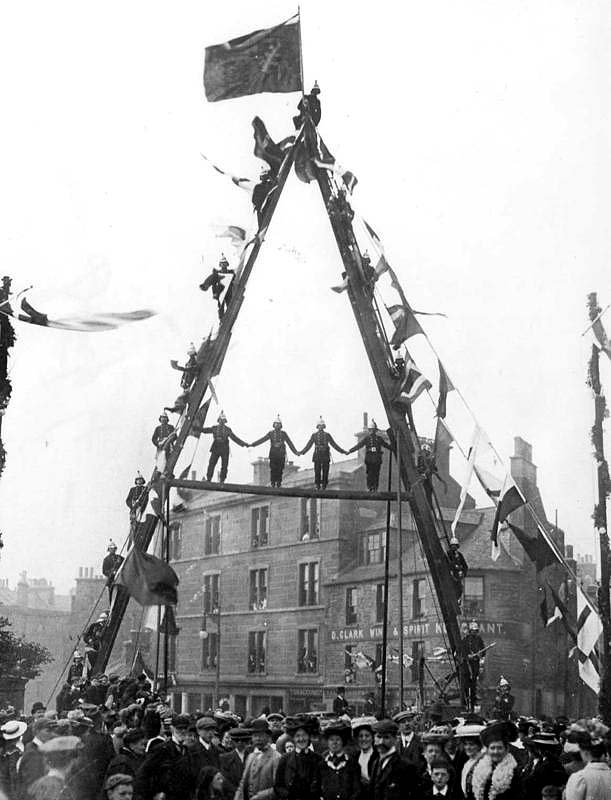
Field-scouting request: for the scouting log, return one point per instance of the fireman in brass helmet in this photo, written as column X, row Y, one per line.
column 278, row 439
column 322, row 442
column 219, row 449
column 373, row 444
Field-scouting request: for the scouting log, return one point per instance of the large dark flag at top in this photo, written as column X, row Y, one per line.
column 262, row 61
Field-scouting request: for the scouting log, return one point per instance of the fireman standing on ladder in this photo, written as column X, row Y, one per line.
column 458, row 567
column 373, row 444
column 473, row 659
column 219, row 449
column 322, row 442
column 278, row 440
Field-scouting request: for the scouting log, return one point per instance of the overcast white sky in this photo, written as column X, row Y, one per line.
column 479, row 133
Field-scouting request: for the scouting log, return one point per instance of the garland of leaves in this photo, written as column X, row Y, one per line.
column 7, row 340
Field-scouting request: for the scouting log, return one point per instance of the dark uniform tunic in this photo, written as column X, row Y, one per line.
column 373, row 445
column 110, row 565
column 458, row 569
column 136, row 500
column 278, row 439
column 503, row 705
column 473, row 645
column 161, row 434
column 321, row 440
column 221, row 434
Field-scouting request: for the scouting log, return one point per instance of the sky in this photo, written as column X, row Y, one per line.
column 479, row 133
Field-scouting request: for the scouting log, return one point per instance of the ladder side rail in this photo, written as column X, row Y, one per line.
column 373, row 340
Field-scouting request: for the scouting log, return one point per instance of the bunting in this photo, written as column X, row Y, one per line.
column 327, row 161
column 235, row 234
column 464, row 489
column 242, row 183
column 535, row 546
column 589, row 631
column 148, row 579
column 406, row 324
column 266, row 148
column 412, row 385
column 88, row 323
column 199, row 420
column 511, row 500
column 595, row 312
column 445, row 386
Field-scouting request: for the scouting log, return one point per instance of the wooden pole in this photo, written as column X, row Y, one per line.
column 385, row 610
column 400, row 577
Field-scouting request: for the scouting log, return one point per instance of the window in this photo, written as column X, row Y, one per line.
column 256, row 652
column 419, row 603
column 310, row 518
column 209, row 651
column 259, row 526
column 258, row 589
column 307, row 650
column 308, row 584
column 212, row 535
column 351, row 605
column 194, row 702
column 175, row 540
column 373, row 548
column 349, row 667
column 380, row 602
column 473, row 598
column 211, row 594
column 417, row 656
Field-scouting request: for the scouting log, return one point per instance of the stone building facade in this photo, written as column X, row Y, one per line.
column 281, row 599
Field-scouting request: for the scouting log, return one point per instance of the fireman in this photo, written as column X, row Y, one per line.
column 278, row 439
column 373, row 444
column 473, row 660
column 322, row 442
column 219, row 449
column 458, row 566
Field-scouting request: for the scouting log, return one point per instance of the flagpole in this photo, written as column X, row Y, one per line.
column 400, row 576
column 385, row 610
column 300, row 54
column 165, row 501
column 600, row 523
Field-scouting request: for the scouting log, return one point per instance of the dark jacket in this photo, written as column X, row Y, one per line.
column 278, row 440
column 396, row 780
column 373, row 445
column 322, row 441
column 298, row 776
column 110, row 565
column 340, row 706
column 31, row 766
column 412, row 754
column 92, row 763
column 451, row 794
column 221, row 434
column 366, row 785
column 161, row 434
column 202, row 757
column 137, row 498
column 232, row 768
column 548, row 771
column 126, row 762
column 339, row 782
column 166, row 769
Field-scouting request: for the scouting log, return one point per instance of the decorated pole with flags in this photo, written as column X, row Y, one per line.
column 600, row 510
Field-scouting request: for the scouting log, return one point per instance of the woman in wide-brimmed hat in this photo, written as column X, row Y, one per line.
column 496, row 775
column 468, row 737
column 339, row 777
column 298, row 774
column 543, row 768
column 366, row 757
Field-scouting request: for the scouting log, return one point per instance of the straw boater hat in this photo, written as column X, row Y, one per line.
column 438, row 733
column 14, row 729
column 469, row 729
column 363, row 723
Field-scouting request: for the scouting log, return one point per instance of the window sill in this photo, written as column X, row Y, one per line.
column 256, row 674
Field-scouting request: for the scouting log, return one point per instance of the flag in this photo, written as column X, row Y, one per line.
column 304, row 168
column 148, row 579
column 267, row 60
column 535, row 547
column 242, row 183
column 341, row 287
column 361, row 660
column 443, row 437
column 88, row 323
column 185, row 494
column 168, row 622
column 589, row 630
column 236, row 234
column 394, row 659
column 328, row 162
column 597, row 327
column 510, row 501
column 412, row 385
column 405, row 323
column 445, row 386
column 464, row 490
column 140, row 667
column 199, row 420
column 266, row 148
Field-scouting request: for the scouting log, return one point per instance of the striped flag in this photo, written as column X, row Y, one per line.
column 445, row 386
column 589, row 631
column 464, row 490
column 511, row 500
column 412, row 385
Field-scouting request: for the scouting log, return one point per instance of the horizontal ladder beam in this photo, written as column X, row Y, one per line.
column 283, row 491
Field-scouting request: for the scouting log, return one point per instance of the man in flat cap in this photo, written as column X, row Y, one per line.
column 232, row 763
column 204, row 753
column 392, row 778
column 409, row 745
column 257, row 782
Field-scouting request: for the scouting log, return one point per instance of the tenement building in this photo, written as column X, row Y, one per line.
column 281, row 600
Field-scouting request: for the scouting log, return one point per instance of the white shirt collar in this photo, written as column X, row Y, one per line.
column 205, row 745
